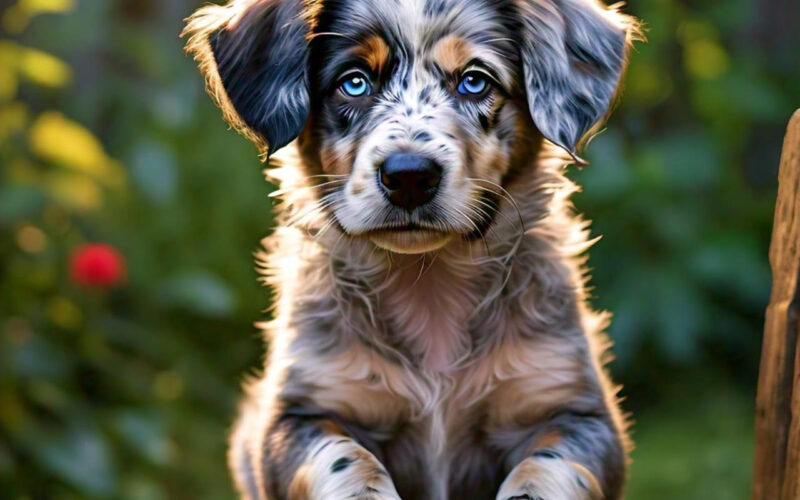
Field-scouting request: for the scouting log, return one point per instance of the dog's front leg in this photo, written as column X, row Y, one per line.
column 312, row 459
column 337, row 467
column 573, row 457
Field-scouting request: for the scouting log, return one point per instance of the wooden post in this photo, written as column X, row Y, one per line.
column 777, row 451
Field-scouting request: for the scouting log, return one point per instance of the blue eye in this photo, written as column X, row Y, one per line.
column 473, row 83
column 356, row 86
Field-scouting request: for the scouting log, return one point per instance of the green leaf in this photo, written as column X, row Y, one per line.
column 145, row 433
column 37, row 357
column 79, row 455
column 679, row 317
column 18, row 202
column 153, row 169
column 608, row 174
column 199, row 292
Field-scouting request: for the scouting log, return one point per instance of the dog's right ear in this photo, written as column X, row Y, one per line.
column 254, row 55
column 574, row 53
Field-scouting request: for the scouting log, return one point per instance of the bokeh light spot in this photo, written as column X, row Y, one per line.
column 31, row 239
column 647, row 85
column 64, row 313
column 78, row 193
column 18, row 330
column 15, row 19
column 168, row 385
column 705, row 59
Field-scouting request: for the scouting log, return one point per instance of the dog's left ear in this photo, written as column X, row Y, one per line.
column 573, row 54
column 254, row 55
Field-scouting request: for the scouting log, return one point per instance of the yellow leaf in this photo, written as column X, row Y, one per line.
column 41, row 6
column 74, row 191
column 58, row 139
column 31, row 64
column 43, row 69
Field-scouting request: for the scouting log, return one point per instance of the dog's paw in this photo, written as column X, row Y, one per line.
column 547, row 475
column 342, row 469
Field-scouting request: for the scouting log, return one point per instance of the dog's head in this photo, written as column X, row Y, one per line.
column 412, row 112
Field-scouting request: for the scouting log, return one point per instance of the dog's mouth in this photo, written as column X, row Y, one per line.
column 419, row 236
column 399, row 228
column 426, row 230
column 409, row 238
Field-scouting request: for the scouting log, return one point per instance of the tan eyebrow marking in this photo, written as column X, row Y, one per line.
column 374, row 52
column 452, row 53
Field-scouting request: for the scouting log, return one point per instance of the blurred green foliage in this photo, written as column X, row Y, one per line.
column 106, row 135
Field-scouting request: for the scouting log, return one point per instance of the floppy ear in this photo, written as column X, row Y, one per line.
column 573, row 54
column 254, row 55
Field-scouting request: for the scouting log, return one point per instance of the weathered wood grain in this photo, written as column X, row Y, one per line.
column 777, row 451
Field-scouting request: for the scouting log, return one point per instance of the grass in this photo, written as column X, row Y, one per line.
column 694, row 450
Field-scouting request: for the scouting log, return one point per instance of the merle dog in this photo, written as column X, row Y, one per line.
column 431, row 336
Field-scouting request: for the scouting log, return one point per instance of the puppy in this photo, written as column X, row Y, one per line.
column 431, row 337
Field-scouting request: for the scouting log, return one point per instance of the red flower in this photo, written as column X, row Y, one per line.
column 98, row 265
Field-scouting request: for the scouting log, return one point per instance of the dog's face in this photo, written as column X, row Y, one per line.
column 413, row 109
column 412, row 112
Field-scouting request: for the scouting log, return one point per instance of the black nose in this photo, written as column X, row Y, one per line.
column 410, row 180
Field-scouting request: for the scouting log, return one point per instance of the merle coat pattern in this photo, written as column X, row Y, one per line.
column 437, row 351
